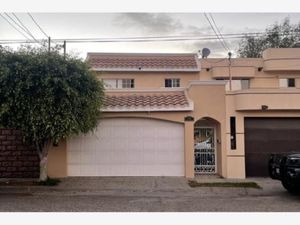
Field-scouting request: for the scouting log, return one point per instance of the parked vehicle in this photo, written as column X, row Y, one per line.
column 286, row 168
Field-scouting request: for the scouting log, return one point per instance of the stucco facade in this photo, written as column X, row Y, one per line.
column 214, row 104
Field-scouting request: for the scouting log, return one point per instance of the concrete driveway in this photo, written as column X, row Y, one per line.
column 147, row 194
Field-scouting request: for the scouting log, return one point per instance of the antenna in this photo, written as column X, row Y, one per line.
column 205, row 53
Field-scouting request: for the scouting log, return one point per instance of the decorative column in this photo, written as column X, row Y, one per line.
column 189, row 146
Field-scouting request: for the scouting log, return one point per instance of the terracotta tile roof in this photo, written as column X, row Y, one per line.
column 146, row 101
column 143, row 62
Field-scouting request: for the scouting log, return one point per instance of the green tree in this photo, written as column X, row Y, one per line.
column 284, row 35
column 48, row 97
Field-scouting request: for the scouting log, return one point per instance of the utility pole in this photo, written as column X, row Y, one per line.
column 229, row 70
column 65, row 49
column 49, row 44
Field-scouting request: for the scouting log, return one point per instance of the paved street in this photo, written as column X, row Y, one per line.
column 146, row 195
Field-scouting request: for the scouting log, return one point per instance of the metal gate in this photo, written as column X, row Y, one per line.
column 205, row 150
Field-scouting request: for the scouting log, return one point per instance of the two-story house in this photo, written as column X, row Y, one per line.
column 178, row 115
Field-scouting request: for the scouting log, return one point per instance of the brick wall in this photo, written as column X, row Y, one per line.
column 17, row 159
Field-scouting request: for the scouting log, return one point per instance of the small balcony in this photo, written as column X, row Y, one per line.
column 266, row 99
column 281, row 59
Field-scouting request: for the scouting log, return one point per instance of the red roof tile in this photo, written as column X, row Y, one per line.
column 145, row 101
column 143, row 62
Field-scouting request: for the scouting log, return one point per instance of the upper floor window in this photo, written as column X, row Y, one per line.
column 118, row 83
column 127, row 83
column 172, row 83
column 287, row 82
column 237, row 84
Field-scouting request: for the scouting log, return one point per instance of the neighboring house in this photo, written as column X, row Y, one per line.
column 177, row 115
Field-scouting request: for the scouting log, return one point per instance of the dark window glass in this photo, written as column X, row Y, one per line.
column 132, row 83
column 232, row 133
column 168, row 83
column 128, row 83
column 172, row 83
column 291, row 82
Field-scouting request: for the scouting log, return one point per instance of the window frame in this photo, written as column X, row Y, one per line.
column 172, row 81
column 120, row 83
column 293, row 82
column 284, row 82
column 236, row 79
column 232, row 132
column 127, row 83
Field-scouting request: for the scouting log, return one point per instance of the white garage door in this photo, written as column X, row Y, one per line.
column 128, row 147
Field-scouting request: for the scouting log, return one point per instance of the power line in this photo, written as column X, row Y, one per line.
column 146, row 39
column 36, row 23
column 140, row 39
column 121, row 40
column 212, row 18
column 17, row 23
column 160, row 37
column 212, row 27
column 27, row 31
column 14, row 27
column 21, row 26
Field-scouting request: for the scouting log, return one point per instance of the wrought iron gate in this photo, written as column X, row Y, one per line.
column 205, row 150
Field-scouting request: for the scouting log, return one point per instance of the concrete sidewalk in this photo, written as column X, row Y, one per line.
column 146, row 194
column 149, row 185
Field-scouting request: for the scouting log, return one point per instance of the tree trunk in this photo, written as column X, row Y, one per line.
column 42, row 150
column 44, row 168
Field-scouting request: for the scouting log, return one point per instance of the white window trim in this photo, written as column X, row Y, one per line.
column 117, row 80
column 283, row 82
column 234, row 80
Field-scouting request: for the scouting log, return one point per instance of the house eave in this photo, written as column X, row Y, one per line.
column 142, row 70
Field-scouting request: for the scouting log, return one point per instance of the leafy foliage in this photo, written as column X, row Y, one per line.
column 284, row 35
column 47, row 96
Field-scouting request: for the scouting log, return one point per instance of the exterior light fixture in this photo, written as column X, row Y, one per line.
column 264, row 107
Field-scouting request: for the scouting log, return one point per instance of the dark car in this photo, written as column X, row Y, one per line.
column 286, row 168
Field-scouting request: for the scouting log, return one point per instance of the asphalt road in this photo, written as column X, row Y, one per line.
column 154, row 195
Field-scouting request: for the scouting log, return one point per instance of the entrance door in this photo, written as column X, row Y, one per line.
column 205, row 150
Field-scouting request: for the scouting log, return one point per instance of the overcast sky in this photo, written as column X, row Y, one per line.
column 110, row 25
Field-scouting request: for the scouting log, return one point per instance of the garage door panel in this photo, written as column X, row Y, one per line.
column 149, row 144
column 163, row 145
column 74, row 158
column 267, row 134
column 264, row 136
column 87, row 157
column 73, row 169
column 75, row 144
column 164, row 170
column 88, row 170
column 128, row 147
column 259, row 168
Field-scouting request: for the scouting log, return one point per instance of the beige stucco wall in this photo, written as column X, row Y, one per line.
column 189, row 148
column 57, row 160
column 236, row 158
column 281, row 59
column 147, row 80
column 209, row 102
column 264, row 82
column 276, row 99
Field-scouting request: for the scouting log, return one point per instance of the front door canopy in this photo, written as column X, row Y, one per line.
column 146, row 101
